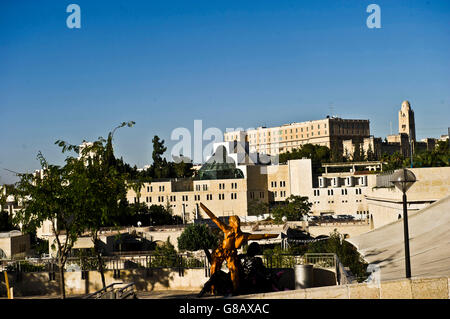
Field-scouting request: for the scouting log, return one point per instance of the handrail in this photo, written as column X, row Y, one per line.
column 124, row 292
column 342, row 276
column 101, row 291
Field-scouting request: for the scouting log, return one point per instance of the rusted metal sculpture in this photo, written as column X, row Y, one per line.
column 227, row 251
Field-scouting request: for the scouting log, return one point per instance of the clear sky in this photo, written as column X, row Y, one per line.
column 229, row 63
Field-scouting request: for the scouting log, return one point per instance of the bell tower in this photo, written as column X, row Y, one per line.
column 406, row 123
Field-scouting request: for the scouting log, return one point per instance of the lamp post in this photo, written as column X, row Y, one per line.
column 403, row 179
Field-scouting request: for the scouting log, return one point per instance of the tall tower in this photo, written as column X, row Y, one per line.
column 406, row 123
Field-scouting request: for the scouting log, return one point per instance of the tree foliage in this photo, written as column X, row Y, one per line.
column 180, row 167
column 105, row 187
column 438, row 157
column 55, row 197
column 293, row 208
column 196, row 237
column 347, row 253
column 317, row 153
column 153, row 215
column 257, row 207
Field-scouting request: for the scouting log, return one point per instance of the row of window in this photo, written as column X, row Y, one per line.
column 203, row 187
column 199, row 187
column 252, row 195
column 344, row 191
column 150, row 188
column 274, row 139
column 282, row 194
column 274, row 184
column 285, row 131
column 185, row 198
column 332, row 201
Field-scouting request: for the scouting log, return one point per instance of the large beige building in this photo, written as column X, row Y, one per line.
column 330, row 193
column 329, row 132
column 385, row 201
column 223, row 186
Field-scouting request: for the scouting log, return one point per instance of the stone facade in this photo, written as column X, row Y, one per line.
column 328, row 132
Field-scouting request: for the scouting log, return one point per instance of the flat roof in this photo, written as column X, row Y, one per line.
column 349, row 164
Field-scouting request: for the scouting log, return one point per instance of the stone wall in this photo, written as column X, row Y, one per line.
column 351, row 229
column 144, row 279
column 415, row 288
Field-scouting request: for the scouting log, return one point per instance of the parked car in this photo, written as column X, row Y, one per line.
column 344, row 217
column 327, row 218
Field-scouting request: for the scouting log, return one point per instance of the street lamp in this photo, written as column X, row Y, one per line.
column 403, row 179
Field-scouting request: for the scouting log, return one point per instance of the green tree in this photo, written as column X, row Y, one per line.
column 293, row 208
column 347, row 253
column 317, row 153
column 394, row 161
column 196, row 237
column 358, row 153
column 165, row 255
column 370, row 154
column 105, row 187
column 53, row 196
column 257, row 208
column 182, row 166
column 159, row 166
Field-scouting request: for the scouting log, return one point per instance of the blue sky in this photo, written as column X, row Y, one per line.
column 229, row 63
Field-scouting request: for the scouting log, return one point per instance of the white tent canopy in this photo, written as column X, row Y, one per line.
column 429, row 233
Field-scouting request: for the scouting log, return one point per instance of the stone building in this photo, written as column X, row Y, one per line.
column 224, row 184
column 14, row 245
column 385, row 201
column 329, row 132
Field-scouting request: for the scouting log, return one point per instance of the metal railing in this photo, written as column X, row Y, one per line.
column 176, row 262
column 126, row 292
column 91, row 263
column 99, row 294
column 362, row 221
column 325, row 260
column 384, row 179
column 322, row 260
column 112, row 292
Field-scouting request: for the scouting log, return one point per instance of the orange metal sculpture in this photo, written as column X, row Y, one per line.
column 233, row 239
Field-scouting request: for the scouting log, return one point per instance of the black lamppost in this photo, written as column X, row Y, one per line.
column 403, row 180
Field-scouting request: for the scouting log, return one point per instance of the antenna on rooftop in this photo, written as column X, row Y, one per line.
column 331, row 109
